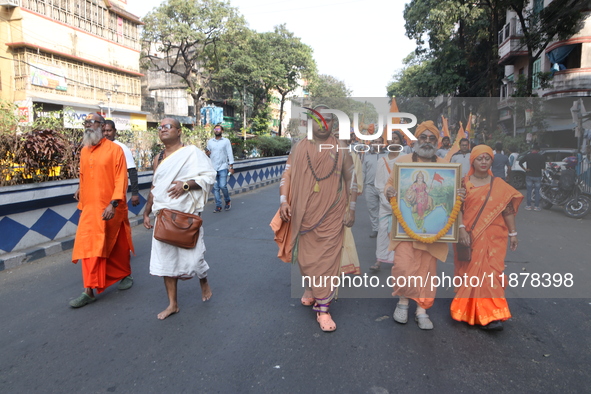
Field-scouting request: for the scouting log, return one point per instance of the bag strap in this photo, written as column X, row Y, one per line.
column 492, row 178
column 387, row 166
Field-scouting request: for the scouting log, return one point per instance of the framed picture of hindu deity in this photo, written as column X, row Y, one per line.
column 426, row 206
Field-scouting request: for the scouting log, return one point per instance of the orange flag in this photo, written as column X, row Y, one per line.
column 456, row 145
column 469, row 127
column 394, row 108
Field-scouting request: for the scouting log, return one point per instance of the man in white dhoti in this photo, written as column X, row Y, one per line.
column 183, row 176
column 384, row 168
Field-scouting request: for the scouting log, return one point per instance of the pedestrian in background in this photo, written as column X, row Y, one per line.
column 385, row 166
column 219, row 150
column 463, row 156
column 501, row 167
column 103, row 238
column 533, row 176
column 372, row 194
column 110, row 133
column 445, row 147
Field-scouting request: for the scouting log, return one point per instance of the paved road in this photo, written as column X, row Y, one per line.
column 253, row 337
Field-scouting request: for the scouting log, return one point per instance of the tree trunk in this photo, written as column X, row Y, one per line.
column 530, row 69
column 281, row 114
column 197, row 104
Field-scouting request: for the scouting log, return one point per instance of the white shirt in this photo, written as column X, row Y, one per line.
column 464, row 159
column 221, row 153
column 127, row 153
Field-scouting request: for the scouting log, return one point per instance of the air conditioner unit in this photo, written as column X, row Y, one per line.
column 10, row 3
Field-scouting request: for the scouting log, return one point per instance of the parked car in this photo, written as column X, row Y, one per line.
column 552, row 155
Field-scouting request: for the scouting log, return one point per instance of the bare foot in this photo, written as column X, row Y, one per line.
column 205, row 290
column 167, row 312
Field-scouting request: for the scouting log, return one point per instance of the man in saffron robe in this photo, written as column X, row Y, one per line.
column 316, row 190
column 103, row 238
column 414, row 258
column 485, row 305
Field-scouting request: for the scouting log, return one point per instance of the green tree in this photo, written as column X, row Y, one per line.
column 295, row 62
column 186, row 35
column 249, row 70
column 457, row 38
column 328, row 86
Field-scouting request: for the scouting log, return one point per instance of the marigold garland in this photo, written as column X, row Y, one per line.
column 432, row 238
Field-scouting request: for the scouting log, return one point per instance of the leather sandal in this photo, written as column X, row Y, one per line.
column 308, row 301
column 424, row 322
column 401, row 313
column 326, row 322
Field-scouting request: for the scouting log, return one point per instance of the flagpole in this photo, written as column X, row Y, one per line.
column 431, row 185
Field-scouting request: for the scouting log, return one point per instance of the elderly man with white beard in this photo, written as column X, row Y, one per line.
column 103, row 238
column 414, row 258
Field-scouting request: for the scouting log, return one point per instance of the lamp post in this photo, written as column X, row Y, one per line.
column 109, row 104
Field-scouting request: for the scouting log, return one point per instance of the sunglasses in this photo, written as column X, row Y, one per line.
column 90, row 122
column 166, row 127
column 431, row 138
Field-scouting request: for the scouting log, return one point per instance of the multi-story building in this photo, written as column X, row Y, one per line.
column 165, row 95
column 77, row 54
column 570, row 62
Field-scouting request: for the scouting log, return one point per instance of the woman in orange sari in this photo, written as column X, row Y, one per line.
column 485, row 304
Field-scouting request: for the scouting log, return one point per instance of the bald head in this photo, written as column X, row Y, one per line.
column 169, row 131
column 173, row 122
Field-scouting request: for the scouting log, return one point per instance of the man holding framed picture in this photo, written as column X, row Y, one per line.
column 418, row 258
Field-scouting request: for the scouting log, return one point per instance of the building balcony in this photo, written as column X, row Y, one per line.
column 510, row 45
column 506, row 102
column 570, row 82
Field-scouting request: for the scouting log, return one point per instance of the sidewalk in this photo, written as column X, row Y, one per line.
column 14, row 259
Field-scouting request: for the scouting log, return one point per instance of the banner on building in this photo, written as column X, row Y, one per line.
column 74, row 117
column 48, row 77
column 139, row 122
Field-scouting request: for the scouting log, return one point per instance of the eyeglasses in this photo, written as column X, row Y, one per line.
column 431, row 138
column 90, row 122
column 166, row 127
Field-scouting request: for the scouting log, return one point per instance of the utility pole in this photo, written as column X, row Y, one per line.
column 244, row 112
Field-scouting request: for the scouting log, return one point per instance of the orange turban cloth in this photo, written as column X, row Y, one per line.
column 477, row 151
column 427, row 125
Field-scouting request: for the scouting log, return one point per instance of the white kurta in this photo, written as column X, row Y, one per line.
column 385, row 213
column 188, row 163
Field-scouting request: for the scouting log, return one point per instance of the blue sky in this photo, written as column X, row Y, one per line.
column 359, row 41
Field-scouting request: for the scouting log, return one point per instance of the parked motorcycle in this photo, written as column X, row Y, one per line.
column 562, row 187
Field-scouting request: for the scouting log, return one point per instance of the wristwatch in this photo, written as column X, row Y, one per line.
column 115, row 203
column 186, row 186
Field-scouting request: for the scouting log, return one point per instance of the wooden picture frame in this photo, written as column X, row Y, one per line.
column 426, row 193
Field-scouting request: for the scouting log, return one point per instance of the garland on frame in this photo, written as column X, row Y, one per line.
column 433, row 238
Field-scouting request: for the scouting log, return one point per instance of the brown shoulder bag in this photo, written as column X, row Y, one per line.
column 177, row 228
